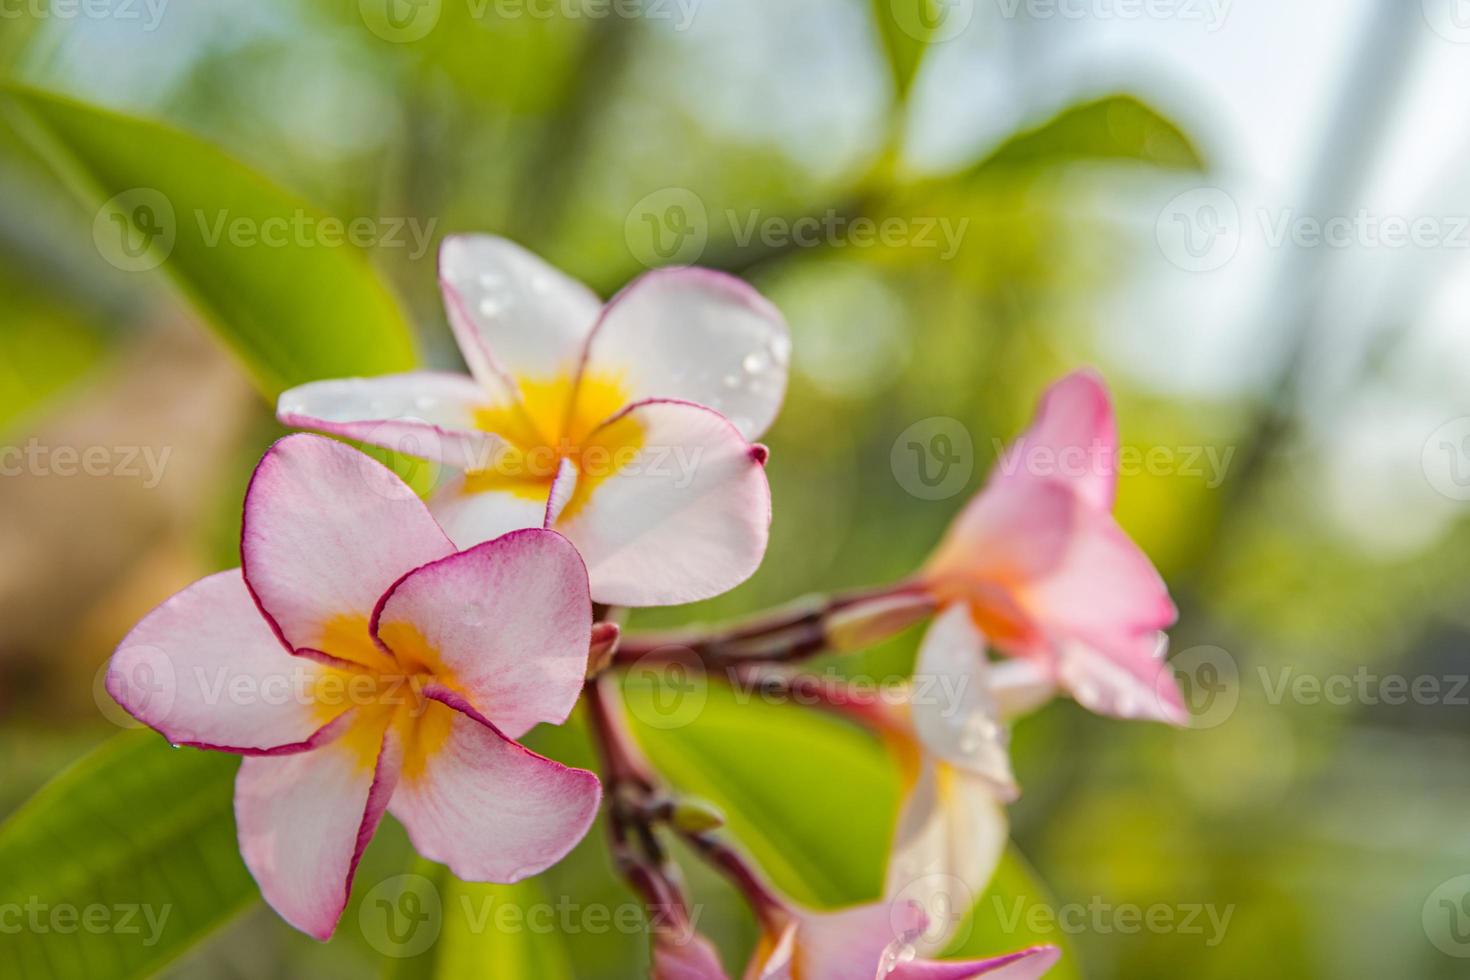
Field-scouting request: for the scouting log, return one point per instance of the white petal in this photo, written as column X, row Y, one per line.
column 513, row 314
column 699, row 336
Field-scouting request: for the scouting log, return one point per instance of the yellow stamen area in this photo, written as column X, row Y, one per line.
column 556, row 419
column 385, row 691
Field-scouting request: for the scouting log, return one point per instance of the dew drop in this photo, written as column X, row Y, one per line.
column 756, row 362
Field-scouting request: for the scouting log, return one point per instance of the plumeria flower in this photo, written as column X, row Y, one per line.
column 874, row 941
column 951, row 738
column 626, row 426
column 360, row 664
column 1045, row 573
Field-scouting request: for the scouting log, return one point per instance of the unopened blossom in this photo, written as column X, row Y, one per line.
column 874, row 942
column 411, row 669
column 1046, row 574
column 626, row 426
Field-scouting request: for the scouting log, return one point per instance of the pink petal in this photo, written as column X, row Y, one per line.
column 689, row 957
column 687, row 518
column 425, row 414
column 853, row 942
column 953, row 708
column 509, row 623
column 487, row 807
column 304, row 821
column 327, row 529
column 205, row 669
column 1011, row 531
column 1028, row 964
column 1073, row 439
column 1129, row 682
column 699, row 336
column 513, row 314
column 1103, row 587
column 472, row 517
column 951, row 833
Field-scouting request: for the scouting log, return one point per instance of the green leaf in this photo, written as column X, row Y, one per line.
column 1016, row 911
column 121, row 863
column 812, row 798
column 902, row 27
column 481, row 930
column 292, row 298
column 1117, row 127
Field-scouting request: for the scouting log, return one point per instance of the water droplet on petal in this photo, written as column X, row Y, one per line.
column 756, row 362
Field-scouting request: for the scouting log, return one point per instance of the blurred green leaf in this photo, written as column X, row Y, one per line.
column 121, row 863
column 296, row 305
column 487, row 931
column 811, row 797
column 1006, row 918
column 905, row 26
column 1117, row 127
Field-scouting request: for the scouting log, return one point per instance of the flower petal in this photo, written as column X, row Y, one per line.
column 1073, row 438
column 1127, row 683
column 205, row 669
column 490, row 809
column 513, row 314
column 507, row 624
column 1008, row 533
column 951, row 833
column 852, row 942
column 690, row 957
column 1103, row 586
column 425, row 414
column 326, row 530
column 472, row 516
column 954, row 711
column 304, row 821
column 1027, row 964
column 686, row 517
column 700, row 336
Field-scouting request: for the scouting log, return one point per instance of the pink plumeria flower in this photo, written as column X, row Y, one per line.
column 877, row 942
column 626, row 426
column 1045, row 572
column 361, row 664
column 952, row 740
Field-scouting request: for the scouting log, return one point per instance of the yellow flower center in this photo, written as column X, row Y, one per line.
column 387, row 691
column 555, row 419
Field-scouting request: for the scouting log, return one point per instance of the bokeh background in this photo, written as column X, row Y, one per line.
column 1252, row 217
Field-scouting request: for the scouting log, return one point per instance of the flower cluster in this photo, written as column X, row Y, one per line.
column 602, row 455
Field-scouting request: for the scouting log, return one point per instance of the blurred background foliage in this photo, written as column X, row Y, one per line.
column 1320, row 549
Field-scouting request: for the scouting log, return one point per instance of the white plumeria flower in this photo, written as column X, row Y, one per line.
column 627, row 427
column 954, row 750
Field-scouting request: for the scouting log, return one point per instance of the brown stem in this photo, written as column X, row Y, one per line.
column 790, row 633
column 638, row 805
